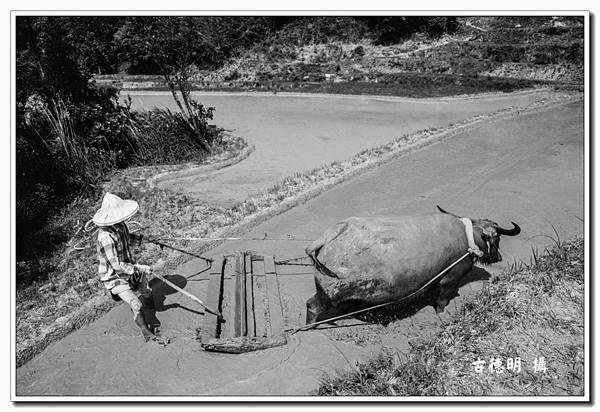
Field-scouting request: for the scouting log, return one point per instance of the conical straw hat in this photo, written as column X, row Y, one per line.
column 114, row 210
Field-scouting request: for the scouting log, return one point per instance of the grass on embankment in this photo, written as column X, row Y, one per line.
column 413, row 85
column 532, row 311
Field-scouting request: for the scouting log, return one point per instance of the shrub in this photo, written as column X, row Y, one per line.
column 162, row 136
column 307, row 30
column 392, row 29
column 84, row 165
column 359, row 51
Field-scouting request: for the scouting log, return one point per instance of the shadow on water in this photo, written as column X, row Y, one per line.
column 394, row 312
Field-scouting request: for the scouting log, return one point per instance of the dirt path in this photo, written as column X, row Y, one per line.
column 528, row 169
column 295, row 132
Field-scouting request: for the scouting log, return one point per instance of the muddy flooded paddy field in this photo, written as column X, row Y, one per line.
column 297, row 132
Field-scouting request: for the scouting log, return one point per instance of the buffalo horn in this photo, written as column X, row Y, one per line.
column 448, row 213
column 510, row 232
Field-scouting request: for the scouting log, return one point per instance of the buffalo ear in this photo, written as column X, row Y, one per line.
column 481, row 232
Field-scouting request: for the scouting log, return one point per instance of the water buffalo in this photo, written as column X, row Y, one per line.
column 374, row 260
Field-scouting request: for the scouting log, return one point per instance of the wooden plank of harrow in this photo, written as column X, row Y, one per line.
column 211, row 328
column 240, row 296
column 275, row 309
column 261, row 309
column 269, row 264
column 228, row 298
column 250, row 318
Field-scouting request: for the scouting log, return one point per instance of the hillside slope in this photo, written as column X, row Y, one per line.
column 540, row 50
column 482, row 54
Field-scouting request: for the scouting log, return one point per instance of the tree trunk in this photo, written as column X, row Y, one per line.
column 185, row 93
column 182, row 82
column 174, row 93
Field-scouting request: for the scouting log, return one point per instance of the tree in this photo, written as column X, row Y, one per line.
column 46, row 59
column 94, row 37
column 392, row 29
column 50, row 73
column 177, row 46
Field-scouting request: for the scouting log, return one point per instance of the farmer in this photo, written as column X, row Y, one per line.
column 118, row 272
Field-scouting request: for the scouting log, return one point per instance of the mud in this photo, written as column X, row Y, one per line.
column 528, row 169
column 294, row 133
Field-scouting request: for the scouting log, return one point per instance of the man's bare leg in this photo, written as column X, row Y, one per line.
column 136, row 307
column 141, row 323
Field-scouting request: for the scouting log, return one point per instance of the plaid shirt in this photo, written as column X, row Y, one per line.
column 115, row 262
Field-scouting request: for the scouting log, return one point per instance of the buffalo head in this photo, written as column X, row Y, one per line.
column 486, row 234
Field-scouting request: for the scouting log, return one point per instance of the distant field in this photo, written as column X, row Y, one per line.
column 402, row 85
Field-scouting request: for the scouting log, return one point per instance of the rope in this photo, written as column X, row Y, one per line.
column 89, row 226
column 287, row 261
column 312, row 325
column 209, row 239
column 295, row 264
column 473, row 248
column 163, row 245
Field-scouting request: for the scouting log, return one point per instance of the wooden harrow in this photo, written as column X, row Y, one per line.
column 244, row 287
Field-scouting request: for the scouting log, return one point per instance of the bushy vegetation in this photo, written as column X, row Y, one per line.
column 307, row 50
column 162, row 136
column 301, row 31
column 72, row 135
column 112, row 44
column 392, row 29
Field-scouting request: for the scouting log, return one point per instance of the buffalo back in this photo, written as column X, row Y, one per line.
column 377, row 259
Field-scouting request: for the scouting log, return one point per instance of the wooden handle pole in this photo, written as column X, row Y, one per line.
column 188, row 294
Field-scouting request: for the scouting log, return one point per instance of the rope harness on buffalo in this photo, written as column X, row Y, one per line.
column 473, row 248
